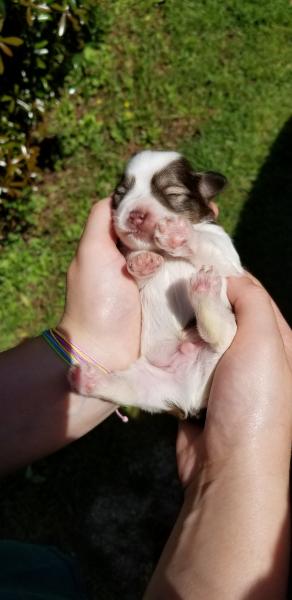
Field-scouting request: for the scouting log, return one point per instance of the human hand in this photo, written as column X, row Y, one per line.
column 250, row 403
column 231, row 538
column 102, row 313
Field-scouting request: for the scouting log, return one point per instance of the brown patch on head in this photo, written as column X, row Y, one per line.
column 125, row 184
column 186, row 192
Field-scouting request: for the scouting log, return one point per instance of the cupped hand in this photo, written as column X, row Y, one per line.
column 250, row 402
column 102, row 312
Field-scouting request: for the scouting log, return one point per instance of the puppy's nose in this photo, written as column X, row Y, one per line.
column 137, row 217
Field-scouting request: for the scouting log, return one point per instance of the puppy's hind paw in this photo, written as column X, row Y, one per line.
column 84, row 379
column 206, row 282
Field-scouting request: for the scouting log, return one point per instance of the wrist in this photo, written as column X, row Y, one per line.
column 98, row 347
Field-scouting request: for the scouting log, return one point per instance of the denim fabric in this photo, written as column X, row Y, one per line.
column 33, row 572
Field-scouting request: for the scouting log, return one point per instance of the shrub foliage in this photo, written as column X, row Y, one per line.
column 38, row 38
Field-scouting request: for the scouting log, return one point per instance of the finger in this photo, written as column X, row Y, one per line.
column 285, row 330
column 98, row 231
column 188, row 450
column 188, row 434
column 252, row 306
column 283, row 326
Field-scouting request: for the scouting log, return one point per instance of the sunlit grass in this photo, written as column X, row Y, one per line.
column 208, row 78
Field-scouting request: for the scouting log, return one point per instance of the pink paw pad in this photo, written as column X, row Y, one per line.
column 144, row 263
column 172, row 233
column 206, row 281
column 83, row 378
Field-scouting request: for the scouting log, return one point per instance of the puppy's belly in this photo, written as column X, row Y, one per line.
column 166, row 308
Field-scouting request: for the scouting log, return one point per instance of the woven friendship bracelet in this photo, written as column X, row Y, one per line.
column 51, row 340
column 75, row 353
column 72, row 355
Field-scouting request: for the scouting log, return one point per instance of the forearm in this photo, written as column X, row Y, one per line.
column 39, row 413
column 231, row 540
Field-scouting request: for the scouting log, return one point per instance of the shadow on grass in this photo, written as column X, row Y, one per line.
column 264, row 234
column 110, row 499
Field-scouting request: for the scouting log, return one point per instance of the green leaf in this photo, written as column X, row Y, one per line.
column 6, row 49
column 40, row 63
column 12, row 41
column 58, row 6
column 11, row 106
column 29, row 17
column 41, row 44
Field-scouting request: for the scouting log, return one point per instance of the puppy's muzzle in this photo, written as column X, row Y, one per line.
column 141, row 221
column 137, row 218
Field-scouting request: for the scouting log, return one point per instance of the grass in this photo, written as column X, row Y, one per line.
column 211, row 79
column 208, row 78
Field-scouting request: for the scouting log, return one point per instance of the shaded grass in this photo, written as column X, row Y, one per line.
column 102, row 499
column 264, row 232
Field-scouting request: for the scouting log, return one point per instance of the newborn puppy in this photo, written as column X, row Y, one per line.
column 180, row 258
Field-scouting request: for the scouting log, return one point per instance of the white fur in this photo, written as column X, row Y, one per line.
column 176, row 366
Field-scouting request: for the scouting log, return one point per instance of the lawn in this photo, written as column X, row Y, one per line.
column 211, row 79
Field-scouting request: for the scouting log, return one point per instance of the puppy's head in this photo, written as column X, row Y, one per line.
column 156, row 185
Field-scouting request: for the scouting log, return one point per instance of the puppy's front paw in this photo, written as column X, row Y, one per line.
column 84, row 379
column 143, row 264
column 206, row 282
column 172, row 235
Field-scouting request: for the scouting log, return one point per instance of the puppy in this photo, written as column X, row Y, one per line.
column 180, row 259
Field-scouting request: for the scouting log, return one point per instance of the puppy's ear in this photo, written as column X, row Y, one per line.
column 210, row 184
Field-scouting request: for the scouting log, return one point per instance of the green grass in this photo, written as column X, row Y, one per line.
column 209, row 78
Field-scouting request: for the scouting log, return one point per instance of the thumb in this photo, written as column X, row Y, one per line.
column 252, row 306
column 98, row 231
